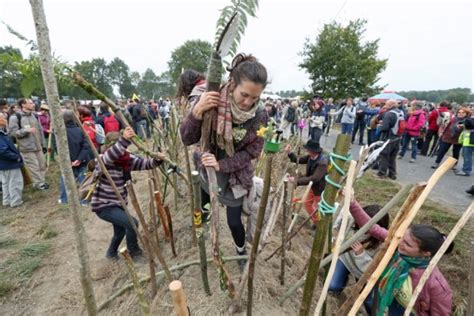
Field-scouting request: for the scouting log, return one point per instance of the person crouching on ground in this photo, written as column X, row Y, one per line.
column 316, row 169
column 119, row 163
column 10, row 168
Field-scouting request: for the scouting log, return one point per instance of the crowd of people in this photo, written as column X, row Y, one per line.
column 423, row 128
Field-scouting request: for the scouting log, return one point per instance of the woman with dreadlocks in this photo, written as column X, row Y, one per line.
column 238, row 118
column 398, row 281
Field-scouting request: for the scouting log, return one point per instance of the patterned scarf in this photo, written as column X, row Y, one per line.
column 227, row 113
column 393, row 278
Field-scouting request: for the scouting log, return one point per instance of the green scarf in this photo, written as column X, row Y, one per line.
column 393, row 277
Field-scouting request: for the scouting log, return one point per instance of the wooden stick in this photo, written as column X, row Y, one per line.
column 341, row 148
column 275, row 211
column 470, row 300
column 192, row 205
column 300, row 205
column 357, row 288
column 147, row 236
column 179, row 298
column 340, row 236
column 258, row 229
column 48, row 151
column 447, row 165
column 197, row 222
column 170, row 225
column 144, row 306
column 226, row 280
column 434, row 261
column 286, row 208
column 162, row 214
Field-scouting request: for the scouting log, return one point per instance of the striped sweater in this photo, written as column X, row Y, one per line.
column 104, row 195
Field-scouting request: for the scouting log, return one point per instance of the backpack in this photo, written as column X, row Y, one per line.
column 111, row 124
column 290, row 114
column 443, row 118
column 99, row 134
column 400, row 125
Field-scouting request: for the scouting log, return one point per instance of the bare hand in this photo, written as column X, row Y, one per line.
column 291, row 179
column 32, row 130
column 76, row 163
column 357, row 248
column 207, row 101
column 128, row 133
column 209, row 160
column 288, row 148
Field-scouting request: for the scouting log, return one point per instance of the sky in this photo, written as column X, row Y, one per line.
column 428, row 43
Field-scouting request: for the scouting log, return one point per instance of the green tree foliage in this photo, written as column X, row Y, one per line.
column 192, row 54
column 10, row 76
column 458, row 95
column 339, row 64
column 96, row 71
column 290, row 93
column 148, row 85
column 119, row 74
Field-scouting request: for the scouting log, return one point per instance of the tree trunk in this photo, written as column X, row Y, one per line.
column 51, row 87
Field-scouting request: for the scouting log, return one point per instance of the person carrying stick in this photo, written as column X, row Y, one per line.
column 401, row 276
column 316, row 170
column 119, row 163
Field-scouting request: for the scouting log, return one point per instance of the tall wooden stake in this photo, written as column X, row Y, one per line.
column 144, row 306
column 179, row 298
column 258, row 230
column 470, row 299
column 51, row 87
column 341, row 148
column 197, row 222
column 192, row 204
column 286, row 207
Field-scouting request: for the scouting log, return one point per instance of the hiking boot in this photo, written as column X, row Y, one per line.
column 435, row 165
column 412, row 160
column 392, row 176
column 380, row 175
column 461, row 173
column 471, row 190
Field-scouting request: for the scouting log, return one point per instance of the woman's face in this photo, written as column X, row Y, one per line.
column 462, row 114
column 409, row 246
column 246, row 94
column 349, row 102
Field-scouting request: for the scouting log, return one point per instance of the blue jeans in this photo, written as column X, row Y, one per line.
column 141, row 127
column 339, row 279
column 122, row 228
column 347, row 128
column 406, row 140
column 79, row 175
column 467, row 154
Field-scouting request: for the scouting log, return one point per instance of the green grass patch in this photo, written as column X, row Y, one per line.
column 46, row 231
column 21, row 266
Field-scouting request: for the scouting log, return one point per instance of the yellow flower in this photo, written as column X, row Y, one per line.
column 261, row 132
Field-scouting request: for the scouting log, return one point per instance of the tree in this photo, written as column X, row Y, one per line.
column 10, row 76
column 339, row 64
column 192, row 54
column 96, row 72
column 119, row 74
column 148, row 85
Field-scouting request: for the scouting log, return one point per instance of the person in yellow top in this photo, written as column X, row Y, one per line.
column 466, row 139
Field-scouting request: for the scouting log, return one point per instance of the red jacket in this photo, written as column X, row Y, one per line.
column 434, row 116
column 436, row 297
column 416, row 120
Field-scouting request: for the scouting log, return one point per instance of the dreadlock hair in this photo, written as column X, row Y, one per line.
column 186, row 82
column 246, row 67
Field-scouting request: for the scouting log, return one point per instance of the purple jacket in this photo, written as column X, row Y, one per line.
column 436, row 297
column 239, row 166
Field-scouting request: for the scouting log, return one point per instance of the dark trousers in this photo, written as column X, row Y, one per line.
column 426, row 145
column 388, row 158
column 359, row 125
column 234, row 220
column 443, row 149
column 122, row 228
column 316, row 133
column 328, row 126
column 371, row 136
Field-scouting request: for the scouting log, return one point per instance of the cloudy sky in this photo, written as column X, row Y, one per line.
column 428, row 43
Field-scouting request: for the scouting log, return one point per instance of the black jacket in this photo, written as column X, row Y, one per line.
column 316, row 170
column 78, row 147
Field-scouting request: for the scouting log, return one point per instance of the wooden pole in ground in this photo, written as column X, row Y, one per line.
column 347, row 244
column 197, row 222
column 447, row 165
column 341, row 148
column 179, row 298
column 144, row 306
column 170, row 225
column 340, row 236
column 147, row 238
column 162, row 214
column 51, row 88
column 258, row 229
column 434, row 261
column 192, row 204
column 300, row 205
column 470, row 299
column 286, row 208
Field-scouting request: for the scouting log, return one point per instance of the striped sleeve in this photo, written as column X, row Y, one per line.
column 139, row 163
column 116, row 151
